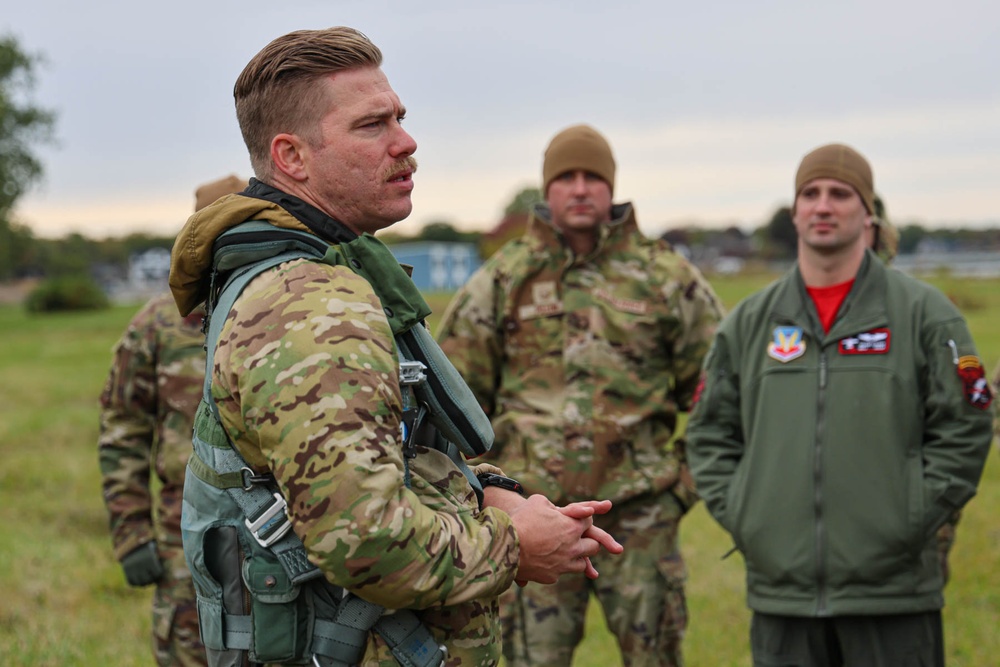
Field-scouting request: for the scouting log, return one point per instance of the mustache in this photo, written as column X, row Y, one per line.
column 408, row 163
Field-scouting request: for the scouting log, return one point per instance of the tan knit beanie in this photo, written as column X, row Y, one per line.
column 578, row 147
column 842, row 163
column 209, row 192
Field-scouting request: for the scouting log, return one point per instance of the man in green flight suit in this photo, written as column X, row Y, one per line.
column 844, row 417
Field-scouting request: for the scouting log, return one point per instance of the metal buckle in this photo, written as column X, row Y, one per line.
column 444, row 654
column 276, row 508
column 250, row 478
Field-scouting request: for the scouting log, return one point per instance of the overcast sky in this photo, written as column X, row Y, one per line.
column 708, row 106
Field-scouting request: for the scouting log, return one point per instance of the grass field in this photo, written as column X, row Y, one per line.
column 63, row 599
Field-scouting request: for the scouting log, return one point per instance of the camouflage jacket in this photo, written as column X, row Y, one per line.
column 584, row 362
column 306, row 378
column 996, row 405
column 147, row 410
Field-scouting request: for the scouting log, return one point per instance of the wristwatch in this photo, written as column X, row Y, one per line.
column 491, row 479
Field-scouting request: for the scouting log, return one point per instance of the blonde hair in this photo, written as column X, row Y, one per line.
column 276, row 91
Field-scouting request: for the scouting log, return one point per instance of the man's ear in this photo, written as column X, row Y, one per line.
column 289, row 153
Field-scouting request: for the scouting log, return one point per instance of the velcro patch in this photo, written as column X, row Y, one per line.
column 875, row 341
column 789, row 343
column 975, row 386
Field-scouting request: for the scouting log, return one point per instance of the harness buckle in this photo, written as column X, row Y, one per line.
column 268, row 520
column 411, row 372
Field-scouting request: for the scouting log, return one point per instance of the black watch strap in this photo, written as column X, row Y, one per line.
column 492, row 479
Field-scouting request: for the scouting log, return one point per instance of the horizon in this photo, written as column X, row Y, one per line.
column 708, row 108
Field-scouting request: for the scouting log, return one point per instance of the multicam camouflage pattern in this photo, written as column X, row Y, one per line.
column 583, row 365
column 147, row 409
column 176, row 640
column 306, row 379
column 996, row 404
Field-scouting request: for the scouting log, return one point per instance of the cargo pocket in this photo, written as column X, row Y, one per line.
column 278, row 613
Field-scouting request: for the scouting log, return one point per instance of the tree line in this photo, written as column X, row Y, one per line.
column 24, row 125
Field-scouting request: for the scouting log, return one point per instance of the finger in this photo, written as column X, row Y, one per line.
column 577, row 510
column 605, row 539
column 591, row 571
column 596, row 506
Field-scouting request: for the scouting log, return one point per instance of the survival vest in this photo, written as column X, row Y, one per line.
column 258, row 595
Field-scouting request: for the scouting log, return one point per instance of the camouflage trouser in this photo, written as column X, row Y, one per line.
column 945, row 540
column 640, row 591
column 176, row 640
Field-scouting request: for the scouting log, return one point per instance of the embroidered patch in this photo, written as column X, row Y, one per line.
column 975, row 386
column 698, row 390
column 544, row 292
column 533, row 310
column 788, row 344
column 633, row 306
column 875, row 341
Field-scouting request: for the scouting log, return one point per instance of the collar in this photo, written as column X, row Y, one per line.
column 864, row 307
column 318, row 222
column 191, row 257
column 541, row 234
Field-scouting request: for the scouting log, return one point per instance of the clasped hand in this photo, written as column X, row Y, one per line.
column 559, row 540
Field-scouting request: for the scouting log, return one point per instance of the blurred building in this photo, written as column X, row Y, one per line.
column 438, row 266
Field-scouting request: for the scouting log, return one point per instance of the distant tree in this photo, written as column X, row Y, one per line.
column 780, row 238
column 445, row 232
column 523, row 201
column 910, row 237
column 21, row 124
column 18, row 251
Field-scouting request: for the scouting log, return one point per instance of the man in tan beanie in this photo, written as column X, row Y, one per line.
column 844, row 416
column 147, row 415
column 583, row 341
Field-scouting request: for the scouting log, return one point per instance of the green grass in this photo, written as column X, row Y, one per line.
column 63, row 599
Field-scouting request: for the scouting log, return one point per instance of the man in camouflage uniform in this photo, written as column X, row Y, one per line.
column 306, row 372
column 583, row 340
column 147, row 411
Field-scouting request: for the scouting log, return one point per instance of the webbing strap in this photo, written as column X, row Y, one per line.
column 342, row 641
column 410, row 641
column 262, row 506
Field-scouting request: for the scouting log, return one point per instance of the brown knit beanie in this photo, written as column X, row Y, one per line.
column 578, row 147
column 209, row 192
column 842, row 163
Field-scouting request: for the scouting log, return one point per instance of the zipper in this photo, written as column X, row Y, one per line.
column 818, row 482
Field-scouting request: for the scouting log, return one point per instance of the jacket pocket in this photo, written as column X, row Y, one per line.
column 278, row 615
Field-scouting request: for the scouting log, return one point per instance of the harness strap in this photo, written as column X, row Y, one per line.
column 341, row 642
column 262, row 505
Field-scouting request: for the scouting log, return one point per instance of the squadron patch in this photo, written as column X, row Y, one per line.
column 975, row 386
column 698, row 390
column 788, row 344
column 875, row 341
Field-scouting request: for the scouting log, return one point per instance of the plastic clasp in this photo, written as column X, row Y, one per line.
column 411, row 372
